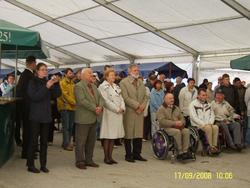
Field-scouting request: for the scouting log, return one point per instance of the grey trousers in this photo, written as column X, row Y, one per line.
column 85, row 142
column 235, row 128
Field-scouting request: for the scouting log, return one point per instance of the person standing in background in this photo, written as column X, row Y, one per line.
column 210, row 92
column 156, row 100
column 186, row 96
column 247, row 101
column 179, row 85
column 7, row 86
column 23, row 106
column 66, row 105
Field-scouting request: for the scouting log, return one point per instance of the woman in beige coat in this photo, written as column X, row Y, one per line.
column 112, row 120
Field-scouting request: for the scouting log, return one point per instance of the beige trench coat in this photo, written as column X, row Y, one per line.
column 133, row 97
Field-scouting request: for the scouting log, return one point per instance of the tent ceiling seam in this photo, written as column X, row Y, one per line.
column 71, row 29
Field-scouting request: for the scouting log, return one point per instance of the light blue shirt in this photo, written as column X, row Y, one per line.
column 156, row 99
column 7, row 89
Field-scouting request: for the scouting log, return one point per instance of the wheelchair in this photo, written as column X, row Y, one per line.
column 199, row 136
column 164, row 145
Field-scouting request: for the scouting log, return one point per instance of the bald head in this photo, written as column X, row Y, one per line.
column 169, row 99
column 87, row 75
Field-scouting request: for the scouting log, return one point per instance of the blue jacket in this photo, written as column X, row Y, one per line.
column 156, row 99
column 7, row 89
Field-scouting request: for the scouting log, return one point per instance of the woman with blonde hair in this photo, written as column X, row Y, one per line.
column 112, row 120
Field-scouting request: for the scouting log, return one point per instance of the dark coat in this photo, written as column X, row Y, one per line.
column 231, row 96
column 21, row 88
column 40, row 96
column 176, row 93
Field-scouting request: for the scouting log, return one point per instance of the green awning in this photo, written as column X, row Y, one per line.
column 242, row 63
column 26, row 42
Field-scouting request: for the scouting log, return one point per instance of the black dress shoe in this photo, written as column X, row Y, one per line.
column 186, row 156
column 19, row 143
column 130, row 159
column 94, row 165
column 233, row 147
column 81, row 166
column 239, row 147
column 113, row 161
column 33, row 169
column 106, row 161
column 44, row 169
column 140, row 158
column 179, row 157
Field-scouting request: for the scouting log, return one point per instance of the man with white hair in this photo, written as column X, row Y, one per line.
column 89, row 106
column 135, row 98
column 179, row 85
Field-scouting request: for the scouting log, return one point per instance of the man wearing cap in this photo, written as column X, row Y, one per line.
column 224, row 117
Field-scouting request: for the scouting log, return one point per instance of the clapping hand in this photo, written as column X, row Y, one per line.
column 50, row 83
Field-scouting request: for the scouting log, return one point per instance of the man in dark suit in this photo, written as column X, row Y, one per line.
column 21, row 89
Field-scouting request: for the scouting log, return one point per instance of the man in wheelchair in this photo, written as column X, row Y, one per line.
column 224, row 117
column 202, row 117
column 171, row 119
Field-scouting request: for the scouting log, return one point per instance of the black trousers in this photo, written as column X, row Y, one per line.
column 38, row 129
column 136, row 143
column 51, row 131
column 147, row 126
column 26, row 128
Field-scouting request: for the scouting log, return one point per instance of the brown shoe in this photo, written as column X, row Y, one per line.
column 92, row 165
column 81, row 166
column 68, row 148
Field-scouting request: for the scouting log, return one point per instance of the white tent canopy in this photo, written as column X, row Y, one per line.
column 86, row 32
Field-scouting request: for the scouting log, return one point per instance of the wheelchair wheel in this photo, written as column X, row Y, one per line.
column 194, row 139
column 160, row 144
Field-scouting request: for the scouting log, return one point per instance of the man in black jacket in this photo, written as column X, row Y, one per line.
column 21, row 89
column 230, row 92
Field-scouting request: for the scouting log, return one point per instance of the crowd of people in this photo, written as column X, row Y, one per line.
column 119, row 107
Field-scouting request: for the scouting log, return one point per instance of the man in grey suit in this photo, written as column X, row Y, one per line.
column 135, row 98
column 89, row 106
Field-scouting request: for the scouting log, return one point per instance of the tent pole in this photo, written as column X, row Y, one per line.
column 16, row 70
column 195, row 71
